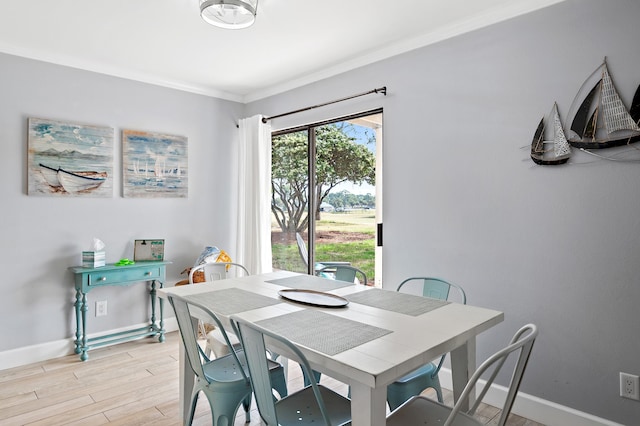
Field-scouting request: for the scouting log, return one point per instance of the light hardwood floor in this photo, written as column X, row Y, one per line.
column 134, row 383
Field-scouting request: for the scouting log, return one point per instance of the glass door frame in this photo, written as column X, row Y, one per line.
column 311, row 167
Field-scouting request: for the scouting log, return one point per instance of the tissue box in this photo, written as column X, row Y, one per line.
column 93, row 259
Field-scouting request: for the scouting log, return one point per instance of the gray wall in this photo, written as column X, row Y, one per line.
column 43, row 236
column 555, row 246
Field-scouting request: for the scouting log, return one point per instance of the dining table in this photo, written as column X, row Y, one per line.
column 364, row 336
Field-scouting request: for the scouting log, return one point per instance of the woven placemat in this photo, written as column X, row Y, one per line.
column 310, row 282
column 232, row 300
column 394, row 301
column 322, row 332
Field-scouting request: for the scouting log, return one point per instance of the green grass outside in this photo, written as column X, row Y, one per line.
column 360, row 253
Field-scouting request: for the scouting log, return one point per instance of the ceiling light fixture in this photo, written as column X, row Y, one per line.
column 231, row 14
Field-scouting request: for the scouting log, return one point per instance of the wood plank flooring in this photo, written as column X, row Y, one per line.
column 133, row 383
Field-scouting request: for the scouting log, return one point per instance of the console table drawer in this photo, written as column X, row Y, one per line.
column 120, row 276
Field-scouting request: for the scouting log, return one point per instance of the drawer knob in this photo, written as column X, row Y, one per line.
column 102, row 279
column 148, row 274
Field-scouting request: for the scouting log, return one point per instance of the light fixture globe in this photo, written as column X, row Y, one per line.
column 232, row 14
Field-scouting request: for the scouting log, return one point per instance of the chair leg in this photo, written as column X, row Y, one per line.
column 246, row 405
column 435, row 384
column 224, row 406
column 307, row 382
column 279, row 383
column 192, row 409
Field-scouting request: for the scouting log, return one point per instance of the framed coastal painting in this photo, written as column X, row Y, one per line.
column 69, row 159
column 154, row 165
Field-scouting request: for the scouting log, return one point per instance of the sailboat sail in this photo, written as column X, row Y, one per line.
column 561, row 149
column 560, row 145
column 601, row 119
column 579, row 124
column 616, row 116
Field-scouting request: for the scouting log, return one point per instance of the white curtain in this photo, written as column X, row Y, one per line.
column 253, row 243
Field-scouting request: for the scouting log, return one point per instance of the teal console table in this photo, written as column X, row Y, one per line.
column 87, row 279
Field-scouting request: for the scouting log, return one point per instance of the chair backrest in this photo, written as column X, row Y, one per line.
column 252, row 338
column 302, row 249
column 214, row 271
column 436, row 288
column 344, row 273
column 520, row 346
column 183, row 309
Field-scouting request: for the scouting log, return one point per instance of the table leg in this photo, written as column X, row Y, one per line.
column 187, row 379
column 368, row 405
column 84, row 308
column 463, row 364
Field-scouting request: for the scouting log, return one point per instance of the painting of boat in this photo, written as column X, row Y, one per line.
column 72, row 181
column 69, row 160
column 560, row 151
column 50, row 175
column 598, row 118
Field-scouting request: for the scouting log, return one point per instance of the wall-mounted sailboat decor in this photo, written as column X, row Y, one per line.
column 597, row 119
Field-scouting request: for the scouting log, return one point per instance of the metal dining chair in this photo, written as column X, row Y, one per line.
column 304, row 255
column 214, row 271
column 426, row 376
column 314, row 403
column 224, row 380
column 420, row 410
column 343, row 273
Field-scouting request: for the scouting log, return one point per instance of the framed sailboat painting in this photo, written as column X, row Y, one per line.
column 154, row 165
column 69, row 160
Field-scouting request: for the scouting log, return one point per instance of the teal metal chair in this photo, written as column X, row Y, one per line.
column 214, row 271
column 425, row 411
column 223, row 380
column 342, row 273
column 314, row 404
column 426, row 376
column 304, row 255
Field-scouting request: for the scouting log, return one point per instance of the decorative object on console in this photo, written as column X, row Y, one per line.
column 144, row 250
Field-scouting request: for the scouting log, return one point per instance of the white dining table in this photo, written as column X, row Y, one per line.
column 401, row 338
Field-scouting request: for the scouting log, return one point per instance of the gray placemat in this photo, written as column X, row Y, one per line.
column 230, row 301
column 310, row 282
column 322, row 332
column 394, row 301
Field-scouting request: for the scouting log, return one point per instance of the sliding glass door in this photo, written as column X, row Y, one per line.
column 326, row 195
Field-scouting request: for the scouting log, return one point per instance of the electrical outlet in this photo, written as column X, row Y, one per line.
column 629, row 386
column 101, row 308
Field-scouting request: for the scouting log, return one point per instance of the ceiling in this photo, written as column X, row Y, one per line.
column 293, row 42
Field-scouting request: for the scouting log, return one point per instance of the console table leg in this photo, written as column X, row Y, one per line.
column 84, row 308
column 77, row 305
column 152, row 293
column 161, row 331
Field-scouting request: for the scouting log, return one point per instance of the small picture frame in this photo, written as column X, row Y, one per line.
column 145, row 250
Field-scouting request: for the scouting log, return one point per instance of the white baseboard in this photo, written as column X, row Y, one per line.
column 56, row 349
column 534, row 408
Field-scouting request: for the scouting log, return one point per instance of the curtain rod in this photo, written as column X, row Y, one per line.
column 382, row 90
